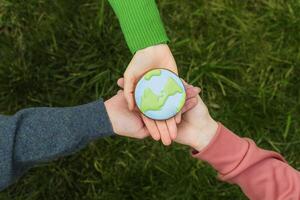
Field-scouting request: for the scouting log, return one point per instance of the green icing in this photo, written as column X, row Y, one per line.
column 172, row 87
column 151, row 101
column 149, row 75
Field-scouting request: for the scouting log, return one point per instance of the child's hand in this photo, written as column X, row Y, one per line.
column 130, row 123
column 158, row 56
column 125, row 122
column 197, row 127
column 166, row 130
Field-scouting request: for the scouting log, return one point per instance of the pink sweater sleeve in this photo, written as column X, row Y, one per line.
column 261, row 174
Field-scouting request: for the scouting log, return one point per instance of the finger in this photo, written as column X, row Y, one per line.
column 164, row 133
column 178, row 117
column 192, row 92
column 172, row 127
column 128, row 91
column 120, row 92
column 188, row 86
column 120, row 82
column 189, row 104
column 152, row 128
column 184, row 82
column 143, row 132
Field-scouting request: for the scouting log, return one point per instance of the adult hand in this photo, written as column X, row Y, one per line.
column 158, row 56
column 191, row 101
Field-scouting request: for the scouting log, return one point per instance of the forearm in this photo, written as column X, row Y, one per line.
column 261, row 174
column 41, row 134
column 140, row 22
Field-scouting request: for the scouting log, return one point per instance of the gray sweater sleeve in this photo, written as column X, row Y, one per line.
column 37, row 135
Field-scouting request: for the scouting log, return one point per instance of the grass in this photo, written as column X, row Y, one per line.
column 245, row 56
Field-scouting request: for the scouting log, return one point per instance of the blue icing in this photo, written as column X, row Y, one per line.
column 156, row 84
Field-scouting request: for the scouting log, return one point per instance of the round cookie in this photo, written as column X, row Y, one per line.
column 160, row 94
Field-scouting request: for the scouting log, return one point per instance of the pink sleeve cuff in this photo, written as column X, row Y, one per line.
column 260, row 173
column 226, row 151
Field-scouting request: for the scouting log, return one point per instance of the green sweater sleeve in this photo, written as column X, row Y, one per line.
column 140, row 22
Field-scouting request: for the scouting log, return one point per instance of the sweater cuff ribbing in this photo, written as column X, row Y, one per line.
column 140, row 22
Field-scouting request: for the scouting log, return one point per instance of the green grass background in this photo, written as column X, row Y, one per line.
column 244, row 54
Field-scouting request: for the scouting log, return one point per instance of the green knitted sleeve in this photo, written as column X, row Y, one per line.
column 140, row 22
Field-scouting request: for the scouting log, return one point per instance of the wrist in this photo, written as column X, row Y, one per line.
column 206, row 131
column 157, row 49
column 110, row 114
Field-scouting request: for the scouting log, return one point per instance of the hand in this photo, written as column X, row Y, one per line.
column 166, row 130
column 160, row 129
column 125, row 122
column 197, row 127
column 158, row 56
column 129, row 123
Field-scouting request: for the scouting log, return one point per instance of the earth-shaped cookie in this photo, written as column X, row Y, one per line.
column 160, row 94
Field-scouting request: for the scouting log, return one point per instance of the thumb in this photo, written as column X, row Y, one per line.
column 120, row 82
column 129, row 90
